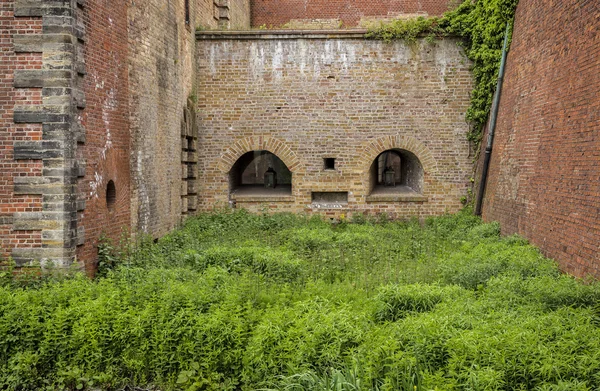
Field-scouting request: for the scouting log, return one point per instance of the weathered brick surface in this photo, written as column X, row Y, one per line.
column 106, row 152
column 544, row 178
column 92, row 92
column 228, row 14
column 349, row 13
column 161, row 47
column 10, row 132
column 161, row 76
column 305, row 99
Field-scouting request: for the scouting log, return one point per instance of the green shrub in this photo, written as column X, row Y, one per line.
column 474, row 264
column 310, row 335
column 398, row 301
column 330, row 380
column 309, row 240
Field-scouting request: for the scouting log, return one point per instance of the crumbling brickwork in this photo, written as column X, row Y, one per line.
column 544, row 178
column 222, row 14
column 309, row 97
column 160, row 69
column 347, row 13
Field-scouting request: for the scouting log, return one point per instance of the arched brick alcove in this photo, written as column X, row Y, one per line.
column 258, row 143
column 374, row 148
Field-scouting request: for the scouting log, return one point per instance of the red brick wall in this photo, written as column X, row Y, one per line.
column 10, row 132
column 106, row 120
column 276, row 13
column 545, row 173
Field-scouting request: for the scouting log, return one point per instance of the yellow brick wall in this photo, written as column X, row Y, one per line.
column 305, row 99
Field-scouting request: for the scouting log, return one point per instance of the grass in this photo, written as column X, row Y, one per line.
column 234, row 301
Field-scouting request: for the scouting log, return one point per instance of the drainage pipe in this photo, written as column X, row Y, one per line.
column 494, row 118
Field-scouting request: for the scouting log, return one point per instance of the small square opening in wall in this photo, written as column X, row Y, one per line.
column 329, row 163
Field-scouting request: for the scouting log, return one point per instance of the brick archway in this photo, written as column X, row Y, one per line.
column 373, row 148
column 258, row 143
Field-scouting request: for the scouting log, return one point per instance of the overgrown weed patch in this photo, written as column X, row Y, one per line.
column 235, row 301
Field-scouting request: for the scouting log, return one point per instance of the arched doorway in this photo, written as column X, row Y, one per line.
column 396, row 171
column 260, row 173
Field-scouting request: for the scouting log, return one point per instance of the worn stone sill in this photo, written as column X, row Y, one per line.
column 262, row 198
column 329, row 205
column 281, row 34
column 396, row 198
column 254, row 193
column 398, row 193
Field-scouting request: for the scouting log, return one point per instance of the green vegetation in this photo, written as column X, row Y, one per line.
column 234, row 301
column 481, row 24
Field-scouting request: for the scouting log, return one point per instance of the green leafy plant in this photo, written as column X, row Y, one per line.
column 239, row 301
column 406, row 29
column 108, row 257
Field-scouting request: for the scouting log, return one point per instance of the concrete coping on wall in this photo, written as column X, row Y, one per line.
column 280, row 34
column 395, row 194
column 395, row 198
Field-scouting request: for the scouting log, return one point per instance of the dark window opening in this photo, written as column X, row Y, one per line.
column 260, row 173
column 329, row 163
column 187, row 12
column 111, row 195
column 396, row 171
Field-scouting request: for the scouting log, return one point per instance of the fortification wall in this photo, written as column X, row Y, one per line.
column 544, row 180
column 315, row 96
column 105, row 152
column 161, row 80
column 338, row 13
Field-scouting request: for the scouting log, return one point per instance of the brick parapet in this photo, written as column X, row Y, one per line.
column 280, row 34
column 309, row 14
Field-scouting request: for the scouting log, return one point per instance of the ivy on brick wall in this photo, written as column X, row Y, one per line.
column 481, row 25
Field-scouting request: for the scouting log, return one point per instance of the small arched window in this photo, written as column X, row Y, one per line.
column 111, row 195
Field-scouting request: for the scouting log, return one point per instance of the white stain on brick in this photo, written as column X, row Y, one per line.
column 96, row 184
